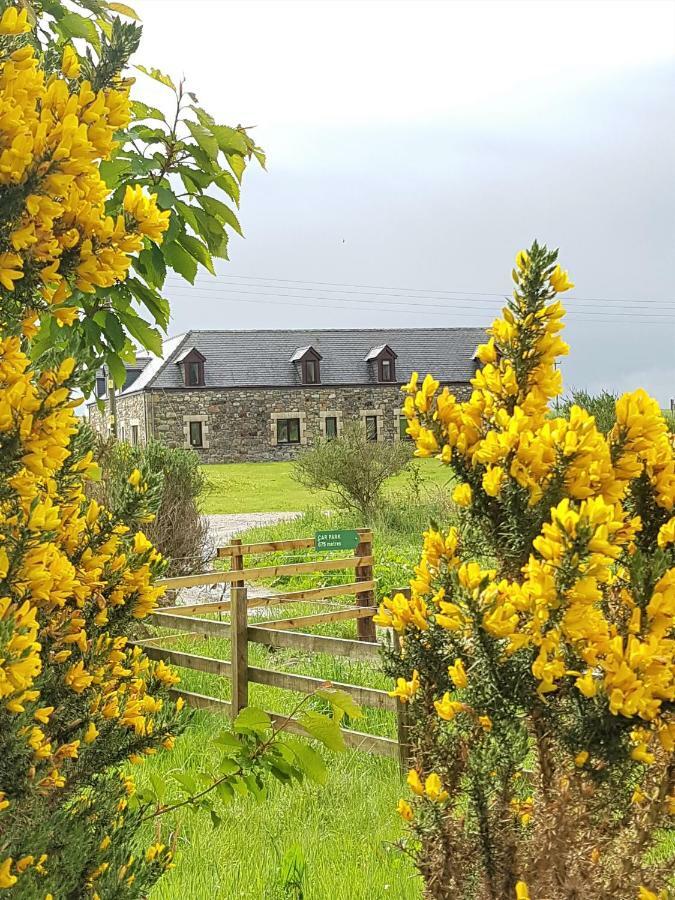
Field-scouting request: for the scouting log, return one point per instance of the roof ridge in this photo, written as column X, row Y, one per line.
column 355, row 329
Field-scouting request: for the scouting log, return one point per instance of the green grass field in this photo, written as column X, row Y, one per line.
column 346, row 828
column 269, row 487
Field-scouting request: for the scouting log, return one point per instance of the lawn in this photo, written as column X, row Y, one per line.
column 269, row 487
column 346, row 829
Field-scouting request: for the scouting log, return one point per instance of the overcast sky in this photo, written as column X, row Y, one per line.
column 414, row 147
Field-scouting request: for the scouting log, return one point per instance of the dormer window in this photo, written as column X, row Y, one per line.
column 311, row 373
column 386, row 370
column 383, row 362
column 192, row 363
column 195, row 373
column 101, row 388
column 308, row 363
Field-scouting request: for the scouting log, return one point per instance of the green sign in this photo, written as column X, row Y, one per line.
column 336, row 540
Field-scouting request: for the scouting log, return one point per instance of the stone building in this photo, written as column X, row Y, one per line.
column 263, row 395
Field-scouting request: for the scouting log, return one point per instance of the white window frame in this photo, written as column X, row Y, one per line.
column 187, row 420
column 290, row 414
column 330, row 414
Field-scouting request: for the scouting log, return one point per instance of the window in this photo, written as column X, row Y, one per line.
column 134, row 435
column 331, row 427
column 403, row 429
column 194, row 373
column 311, row 367
column 371, row 428
column 132, row 375
column 196, row 437
column 192, row 363
column 386, row 370
column 307, row 361
column 100, row 389
column 288, row 431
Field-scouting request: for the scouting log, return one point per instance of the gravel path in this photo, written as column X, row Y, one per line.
column 222, row 528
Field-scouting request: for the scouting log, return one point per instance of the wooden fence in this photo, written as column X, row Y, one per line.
column 284, row 632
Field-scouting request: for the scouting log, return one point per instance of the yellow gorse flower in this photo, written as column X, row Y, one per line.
column 560, row 281
column 406, row 690
column 405, row 811
column 63, row 214
column 433, row 789
column 14, row 21
column 462, row 495
column 70, row 64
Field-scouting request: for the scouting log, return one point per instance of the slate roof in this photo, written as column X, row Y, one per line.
column 263, row 358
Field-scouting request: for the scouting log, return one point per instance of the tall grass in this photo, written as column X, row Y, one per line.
column 345, row 829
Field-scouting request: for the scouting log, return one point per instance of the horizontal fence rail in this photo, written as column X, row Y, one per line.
column 314, row 643
column 267, row 547
column 308, row 568
column 311, row 594
column 336, row 615
column 304, row 684
column 357, row 740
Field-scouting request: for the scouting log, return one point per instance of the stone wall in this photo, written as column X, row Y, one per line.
column 98, row 418
column 130, row 416
column 239, row 424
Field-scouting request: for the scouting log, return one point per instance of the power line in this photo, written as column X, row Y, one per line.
column 422, row 293
column 192, row 295
column 207, row 291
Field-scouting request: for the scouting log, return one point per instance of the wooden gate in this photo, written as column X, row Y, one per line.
column 282, row 632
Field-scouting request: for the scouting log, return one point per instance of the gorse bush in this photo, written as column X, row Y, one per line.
column 538, row 650
column 76, row 699
column 90, row 181
column 602, row 407
column 176, row 482
column 352, row 469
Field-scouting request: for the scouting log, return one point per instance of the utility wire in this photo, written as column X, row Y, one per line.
column 337, row 287
column 193, row 296
column 236, row 292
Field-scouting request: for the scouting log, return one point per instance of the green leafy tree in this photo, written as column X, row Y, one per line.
column 352, row 469
column 193, row 164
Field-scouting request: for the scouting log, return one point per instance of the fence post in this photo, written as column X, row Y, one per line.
column 239, row 634
column 365, row 628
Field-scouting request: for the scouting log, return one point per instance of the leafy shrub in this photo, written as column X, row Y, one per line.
column 538, row 651
column 352, row 469
column 601, row 406
column 178, row 530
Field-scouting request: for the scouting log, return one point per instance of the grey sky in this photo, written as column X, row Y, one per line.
column 418, row 145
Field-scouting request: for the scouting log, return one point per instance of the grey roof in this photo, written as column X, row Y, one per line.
column 374, row 352
column 263, row 358
column 300, row 352
column 153, row 367
column 186, row 351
